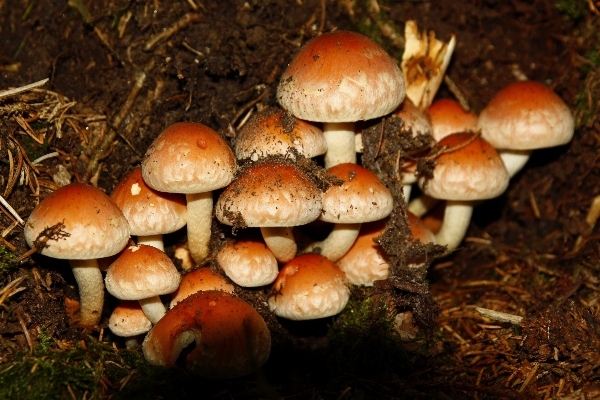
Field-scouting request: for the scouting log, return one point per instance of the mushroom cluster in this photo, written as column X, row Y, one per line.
column 269, row 181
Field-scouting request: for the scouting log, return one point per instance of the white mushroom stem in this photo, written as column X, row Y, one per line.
column 91, row 290
column 199, row 220
column 341, row 147
column 281, row 242
column 339, row 241
column 153, row 308
column 514, row 160
column 456, row 221
column 155, row 241
column 407, row 189
column 422, row 205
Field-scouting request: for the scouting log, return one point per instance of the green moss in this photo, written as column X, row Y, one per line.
column 363, row 339
column 7, row 262
column 573, row 9
column 32, row 148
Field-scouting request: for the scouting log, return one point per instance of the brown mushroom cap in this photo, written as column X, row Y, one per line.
column 341, row 77
column 447, row 116
column 202, row 279
column 365, row 263
column 309, row 287
column 232, row 339
column 149, row 212
column 141, row 272
column 128, row 319
column 275, row 131
column 526, row 115
column 361, row 198
column 188, row 157
column 273, row 194
column 248, row 263
column 95, row 225
column 472, row 172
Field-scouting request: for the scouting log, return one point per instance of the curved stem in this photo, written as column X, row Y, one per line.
column 91, row 290
column 339, row 241
column 281, row 242
column 456, row 222
column 199, row 211
column 341, row 146
column 422, row 205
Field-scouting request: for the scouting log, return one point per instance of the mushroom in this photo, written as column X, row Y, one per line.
column 464, row 175
column 524, row 116
column 309, row 287
column 339, row 78
column 150, row 213
column 273, row 131
column 273, row 196
column 129, row 321
column 361, row 198
column 91, row 226
column 231, row 338
column 193, row 159
column 447, row 116
column 202, row 279
column 248, row 263
column 143, row 273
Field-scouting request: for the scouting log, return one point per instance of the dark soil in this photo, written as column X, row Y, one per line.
column 533, row 252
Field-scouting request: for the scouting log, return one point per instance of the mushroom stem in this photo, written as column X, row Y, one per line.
column 514, row 160
column 91, row 290
column 422, row 205
column 155, row 241
column 153, row 308
column 341, row 147
column 456, row 221
column 339, row 241
column 280, row 240
column 199, row 209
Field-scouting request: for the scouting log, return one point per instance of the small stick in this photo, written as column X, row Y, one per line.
column 168, row 32
column 25, row 331
column 22, row 89
column 11, row 210
column 499, row 316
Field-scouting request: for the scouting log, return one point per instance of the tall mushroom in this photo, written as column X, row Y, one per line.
column 91, row 226
column 339, row 78
column 193, row 159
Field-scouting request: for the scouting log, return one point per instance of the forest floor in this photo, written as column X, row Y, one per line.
column 121, row 71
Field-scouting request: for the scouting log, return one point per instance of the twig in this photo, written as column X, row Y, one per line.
column 12, row 92
column 168, row 32
column 11, row 210
column 499, row 316
column 25, row 331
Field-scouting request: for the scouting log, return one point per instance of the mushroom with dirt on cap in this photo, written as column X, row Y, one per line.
column 129, row 321
column 249, row 263
column 90, row 226
column 273, row 196
column 339, row 78
column 193, row 159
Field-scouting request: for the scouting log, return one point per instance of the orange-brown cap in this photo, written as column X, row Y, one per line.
column 148, row 211
column 447, row 116
column 275, row 131
column 472, row 172
column 248, row 263
column 94, row 225
column 202, row 279
column 141, row 272
column 309, row 287
column 128, row 319
column 341, row 77
column 188, row 157
column 361, row 198
column 365, row 263
column 231, row 337
column 419, row 230
column 414, row 119
column 526, row 115
column 272, row 194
